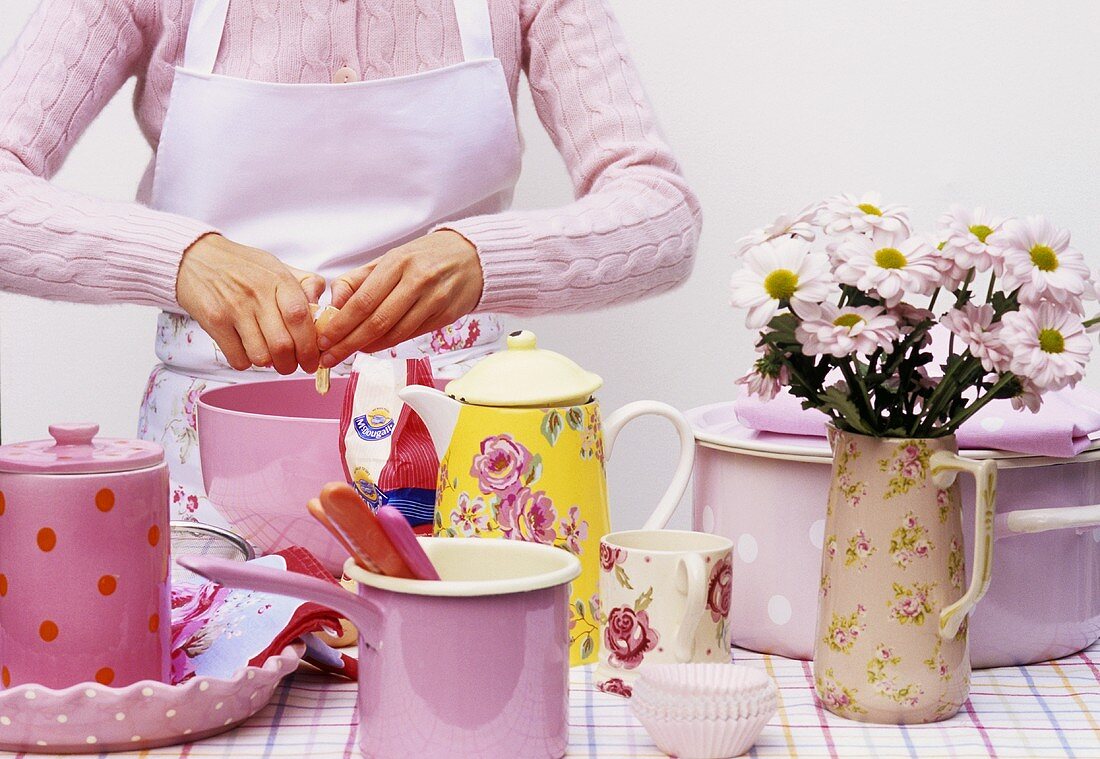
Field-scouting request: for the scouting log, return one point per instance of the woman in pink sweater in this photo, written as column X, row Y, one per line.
column 366, row 145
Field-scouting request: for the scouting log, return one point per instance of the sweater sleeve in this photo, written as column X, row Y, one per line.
column 68, row 62
column 634, row 226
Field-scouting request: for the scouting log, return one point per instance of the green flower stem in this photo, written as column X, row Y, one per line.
column 935, row 297
column 949, row 386
column 1091, row 322
column 989, row 292
column 898, row 355
column 952, row 425
column 860, row 396
column 962, row 295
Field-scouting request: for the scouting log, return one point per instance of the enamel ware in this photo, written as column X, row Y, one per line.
column 767, row 492
column 522, row 447
column 84, row 566
column 91, row 718
column 498, row 624
column 267, row 448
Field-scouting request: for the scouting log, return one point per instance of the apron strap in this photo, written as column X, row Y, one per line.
column 204, row 35
column 476, row 29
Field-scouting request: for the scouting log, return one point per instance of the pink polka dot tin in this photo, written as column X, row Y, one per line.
column 84, row 564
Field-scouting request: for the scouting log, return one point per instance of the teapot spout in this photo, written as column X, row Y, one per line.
column 439, row 412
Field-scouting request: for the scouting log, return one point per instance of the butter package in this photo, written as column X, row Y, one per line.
column 388, row 455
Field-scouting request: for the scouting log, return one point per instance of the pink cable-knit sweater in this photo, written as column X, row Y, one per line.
column 632, row 230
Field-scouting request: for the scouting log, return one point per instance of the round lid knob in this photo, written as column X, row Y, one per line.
column 525, row 376
column 524, row 340
column 74, row 434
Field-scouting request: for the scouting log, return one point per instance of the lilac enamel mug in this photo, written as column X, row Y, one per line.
column 475, row 664
column 84, row 579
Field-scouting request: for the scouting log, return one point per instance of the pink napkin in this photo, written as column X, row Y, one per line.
column 1061, row 428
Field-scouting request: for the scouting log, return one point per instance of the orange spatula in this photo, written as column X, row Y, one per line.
column 370, row 545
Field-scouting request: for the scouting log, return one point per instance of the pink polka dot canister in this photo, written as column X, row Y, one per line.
column 84, row 565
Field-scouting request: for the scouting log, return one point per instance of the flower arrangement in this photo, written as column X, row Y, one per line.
column 847, row 298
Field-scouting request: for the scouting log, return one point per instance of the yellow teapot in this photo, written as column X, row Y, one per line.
column 522, row 450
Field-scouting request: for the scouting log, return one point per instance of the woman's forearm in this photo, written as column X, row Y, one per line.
column 54, row 243
column 635, row 226
column 62, row 245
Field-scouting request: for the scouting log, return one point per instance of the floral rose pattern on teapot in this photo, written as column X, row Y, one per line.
column 501, row 490
column 892, row 561
column 507, row 473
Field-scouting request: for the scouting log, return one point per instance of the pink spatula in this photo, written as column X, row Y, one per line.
column 405, row 543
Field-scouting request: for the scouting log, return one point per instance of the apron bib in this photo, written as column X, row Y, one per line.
column 326, row 177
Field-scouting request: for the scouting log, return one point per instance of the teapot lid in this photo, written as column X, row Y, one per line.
column 525, row 376
column 75, row 449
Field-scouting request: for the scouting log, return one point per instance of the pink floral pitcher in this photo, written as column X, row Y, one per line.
column 891, row 643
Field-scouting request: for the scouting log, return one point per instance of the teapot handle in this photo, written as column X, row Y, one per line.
column 945, row 467
column 671, row 499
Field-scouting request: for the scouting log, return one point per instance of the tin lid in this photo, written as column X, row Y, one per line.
column 75, row 449
column 524, row 375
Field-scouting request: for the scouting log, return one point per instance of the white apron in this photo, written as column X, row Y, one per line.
column 326, row 177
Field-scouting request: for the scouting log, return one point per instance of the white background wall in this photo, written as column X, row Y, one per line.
column 770, row 105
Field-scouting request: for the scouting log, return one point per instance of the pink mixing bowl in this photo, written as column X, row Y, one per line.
column 266, row 449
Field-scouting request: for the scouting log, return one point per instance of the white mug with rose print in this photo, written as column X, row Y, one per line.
column 664, row 597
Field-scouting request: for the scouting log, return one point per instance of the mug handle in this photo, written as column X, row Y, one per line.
column 614, row 424
column 692, row 584
column 945, row 467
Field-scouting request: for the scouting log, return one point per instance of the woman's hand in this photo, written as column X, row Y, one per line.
column 254, row 306
column 423, row 285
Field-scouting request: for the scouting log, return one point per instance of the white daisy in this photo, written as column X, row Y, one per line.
column 965, row 235
column 799, row 226
column 892, row 266
column 777, row 273
column 836, row 331
column 1048, row 343
column 1036, row 258
column 846, row 213
column 974, row 326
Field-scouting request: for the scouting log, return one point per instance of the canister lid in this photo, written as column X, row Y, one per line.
column 525, row 376
column 75, row 449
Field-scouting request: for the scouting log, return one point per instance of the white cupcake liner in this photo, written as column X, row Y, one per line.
column 703, row 710
column 701, row 738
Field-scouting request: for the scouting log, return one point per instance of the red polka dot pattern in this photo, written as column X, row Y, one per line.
column 105, row 500
column 47, row 539
column 48, row 631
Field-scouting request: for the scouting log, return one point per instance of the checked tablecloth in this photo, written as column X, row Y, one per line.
column 1043, row 710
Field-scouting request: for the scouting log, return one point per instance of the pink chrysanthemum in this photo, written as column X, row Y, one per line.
column 835, row 331
column 965, row 236
column 974, row 325
column 891, row 266
column 799, row 226
column 846, row 213
column 1036, row 257
column 1049, row 345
